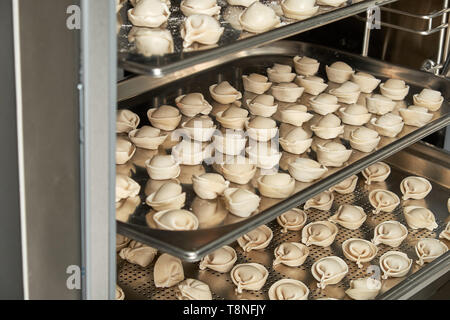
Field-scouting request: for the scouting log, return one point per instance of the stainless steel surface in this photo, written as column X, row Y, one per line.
column 137, row 282
column 11, row 279
column 98, row 107
column 193, row 245
column 161, row 66
column 49, row 55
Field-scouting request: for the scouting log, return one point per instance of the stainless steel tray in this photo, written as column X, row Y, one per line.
column 429, row 162
column 232, row 41
column 193, row 245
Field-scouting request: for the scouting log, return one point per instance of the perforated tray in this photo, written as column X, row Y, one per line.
column 137, row 282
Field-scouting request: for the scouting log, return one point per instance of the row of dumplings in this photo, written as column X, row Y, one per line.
column 201, row 25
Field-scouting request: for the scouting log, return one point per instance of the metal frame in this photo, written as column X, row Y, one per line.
column 442, row 28
column 98, row 100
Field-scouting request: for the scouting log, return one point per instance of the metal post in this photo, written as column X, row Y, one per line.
column 366, row 41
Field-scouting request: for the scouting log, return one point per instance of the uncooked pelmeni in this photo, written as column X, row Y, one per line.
column 224, row 93
column 126, row 121
column 209, row 185
column 319, row 233
column 258, row 18
column 222, row 260
column 288, row 289
column 239, row 171
column 138, row 253
column 292, row 220
column 169, row 196
column 388, row 125
column 200, row 128
column 261, row 128
column 383, row 200
column 229, row 142
column 165, row 117
column 249, row 276
column 280, row 73
column 120, row 295
column 394, row 89
column 147, row 137
column 296, row 141
column 415, row 188
column 193, row 104
column 291, row 254
column 151, row 42
column 419, row 218
column 210, row 213
column 323, row 201
column 306, row 170
column 126, row 187
column 162, row 167
column 244, row 3
column 201, row 28
column 324, row 104
column 428, row 250
column 355, row 115
column 415, row 116
column 333, row 3
column 348, row 92
column 176, row 220
column 329, row 270
column 391, row 233
column 359, row 251
column 312, row 84
column 379, row 104
column 364, row 139
column 445, row 234
column 332, row 154
column 395, row 264
column 262, row 105
column 349, row 216
column 233, row 118
column 299, row 9
column 256, row 239
column 149, row 13
column 377, row 172
column 263, row 155
column 241, row 202
column 124, row 150
column 295, row 114
column 208, row 7
column 278, row 185
column 286, row 92
column 191, row 152
column 430, row 99
column 256, row 83
column 329, row 127
column 192, row 289
column 366, row 81
column 364, row 289
column 121, row 242
column 347, row 186
column 168, row 271
column 339, row 72
column 306, row 66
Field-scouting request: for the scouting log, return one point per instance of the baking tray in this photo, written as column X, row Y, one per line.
column 232, row 41
column 193, row 245
column 137, row 282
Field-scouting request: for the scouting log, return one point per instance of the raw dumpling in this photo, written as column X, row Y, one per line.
column 395, row 264
column 165, row 117
column 430, row 99
column 319, row 233
column 241, row 202
column 359, row 251
column 192, row 289
column 394, row 89
column 202, row 29
column 306, row 170
column 348, row 216
column 329, row 270
column 258, row 18
column 176, row 220
column 162, row 167
column 126, row 121
column 364, row 289
column 249, row 276
column 221, row 260
column 193, row 104
column 147, row 137
column 339, row 72
column 291, row 254
column 288, row 289
column 138, row 253
column 364, row 139
column 278, row 186
column 419, row 217
column 415, row 116
column 191, row 7
column 415, row 188
column 124, row 150
column 256, row 239
column 209, row 185
column 169, row 196
column 429, row 249
column 377, row 172
column 126, row 187
column 151, row 42
column 383, row 200
column 292, row 220
column 149, row 13
column 390, row 233
column 299, row 9
column 168, row 271
column 347, row 186
column 323, row 201
column 328, row 127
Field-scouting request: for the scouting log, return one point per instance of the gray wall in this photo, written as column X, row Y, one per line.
column 11, row 286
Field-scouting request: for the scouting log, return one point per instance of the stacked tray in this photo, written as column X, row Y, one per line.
column 233, row 39
column 192, row 245
column 137, row 282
